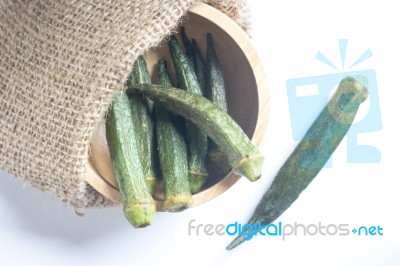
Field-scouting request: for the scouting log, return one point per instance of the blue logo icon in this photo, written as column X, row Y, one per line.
column 307, row 96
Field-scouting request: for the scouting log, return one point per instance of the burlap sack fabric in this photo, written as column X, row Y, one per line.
column 60, row 63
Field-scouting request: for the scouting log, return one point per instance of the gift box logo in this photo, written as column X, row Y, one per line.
column 307, row 96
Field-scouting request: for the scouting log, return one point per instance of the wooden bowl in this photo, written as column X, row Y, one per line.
column 247, row 96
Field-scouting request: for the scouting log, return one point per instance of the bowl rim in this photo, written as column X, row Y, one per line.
column 241, row 38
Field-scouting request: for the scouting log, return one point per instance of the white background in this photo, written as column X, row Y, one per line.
column 36, row 229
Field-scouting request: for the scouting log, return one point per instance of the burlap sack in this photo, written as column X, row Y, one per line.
column 60, row 63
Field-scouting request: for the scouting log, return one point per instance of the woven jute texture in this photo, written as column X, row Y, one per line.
column 60, row 63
